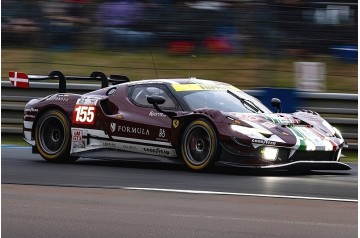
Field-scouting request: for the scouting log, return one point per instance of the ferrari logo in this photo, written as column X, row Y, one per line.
column 112, row 126
column 175, row 123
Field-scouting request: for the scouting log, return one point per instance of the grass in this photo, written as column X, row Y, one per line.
column 351, row 156
column 243, row 71
column 13, row 140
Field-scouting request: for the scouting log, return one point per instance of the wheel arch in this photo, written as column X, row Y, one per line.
column 42, row 112
column 186, row 120
column 207, row 124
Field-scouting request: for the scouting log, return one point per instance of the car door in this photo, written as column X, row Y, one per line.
column 142, row 128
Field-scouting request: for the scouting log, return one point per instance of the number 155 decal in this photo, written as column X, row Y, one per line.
column 84, row 115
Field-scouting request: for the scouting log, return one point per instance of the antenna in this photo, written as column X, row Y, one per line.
column 190, row 61
column 154, row 64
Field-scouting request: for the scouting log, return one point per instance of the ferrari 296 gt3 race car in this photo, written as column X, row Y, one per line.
column 199, row 122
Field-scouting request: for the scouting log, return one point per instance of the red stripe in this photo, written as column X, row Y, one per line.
column 22, row 84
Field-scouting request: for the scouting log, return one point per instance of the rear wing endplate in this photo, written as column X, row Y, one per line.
column 21, row 80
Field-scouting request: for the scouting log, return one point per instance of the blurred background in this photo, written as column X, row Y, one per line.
column 246, row 43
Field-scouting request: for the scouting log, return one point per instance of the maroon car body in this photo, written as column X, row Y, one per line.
column 199, row 122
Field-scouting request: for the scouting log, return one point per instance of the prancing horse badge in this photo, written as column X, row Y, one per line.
column 175, row 123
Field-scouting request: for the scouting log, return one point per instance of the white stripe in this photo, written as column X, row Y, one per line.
column 94, row 132
column 100, row 133
column 19, row 80
column 142, row 141
column 348, row 49
column 16, row 80
column 237, row 194
column 28, row 124
column 27, row 135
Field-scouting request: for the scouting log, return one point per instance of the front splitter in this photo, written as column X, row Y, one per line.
column 298, row 165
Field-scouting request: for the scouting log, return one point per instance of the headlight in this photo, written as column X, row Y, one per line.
column 252, row 132
column 269, row 153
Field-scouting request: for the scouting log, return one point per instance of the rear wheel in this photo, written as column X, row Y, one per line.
column 52, row 137
column 199, row 147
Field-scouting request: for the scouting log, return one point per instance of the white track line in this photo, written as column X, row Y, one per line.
column 237, row 194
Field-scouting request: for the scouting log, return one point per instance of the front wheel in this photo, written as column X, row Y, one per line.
column 52, row 137
column 199, row 147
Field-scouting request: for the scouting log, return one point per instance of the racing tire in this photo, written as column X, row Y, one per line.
column 52, row 137
column 199, row 146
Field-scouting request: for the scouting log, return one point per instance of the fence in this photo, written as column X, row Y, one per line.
column 340, row 110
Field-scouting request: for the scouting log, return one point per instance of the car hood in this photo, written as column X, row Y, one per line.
column 289, row 129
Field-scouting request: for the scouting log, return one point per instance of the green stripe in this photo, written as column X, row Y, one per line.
column 302, row 145
column 268, row 118
column 299, row 135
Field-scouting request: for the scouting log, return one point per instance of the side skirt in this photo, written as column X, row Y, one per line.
column 84, row 140
column 125, row 156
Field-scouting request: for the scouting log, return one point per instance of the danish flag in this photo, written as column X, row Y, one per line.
column 18, row 79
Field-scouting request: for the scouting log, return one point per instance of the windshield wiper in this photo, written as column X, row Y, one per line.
column 246, row 102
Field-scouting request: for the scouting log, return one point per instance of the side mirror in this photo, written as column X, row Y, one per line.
column 158, row 100
column 275, row 102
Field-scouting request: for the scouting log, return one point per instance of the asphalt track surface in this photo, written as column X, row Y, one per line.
column 105, row 198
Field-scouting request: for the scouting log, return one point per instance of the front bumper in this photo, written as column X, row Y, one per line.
column 234, row 155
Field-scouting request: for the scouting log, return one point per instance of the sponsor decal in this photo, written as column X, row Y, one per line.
column 157, row 151
column 133, row 130
column 112, row 126
column 119, row 116
column 31, row 110
column 29, row 117
column 265, row 142
column 162, row 133
column 84, row 115
column 87, row 101
column 108, row 144
column 268, row 124
column 201, row 87
column 250, row 118
column 156, row 114
column 175, row 123
column 59, row 97
column 77, row 135
column 129, row 147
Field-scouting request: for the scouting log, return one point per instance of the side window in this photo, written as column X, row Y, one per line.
column 140, row 93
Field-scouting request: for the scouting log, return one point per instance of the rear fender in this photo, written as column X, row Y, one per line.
column 41, row 112
column 65, row 105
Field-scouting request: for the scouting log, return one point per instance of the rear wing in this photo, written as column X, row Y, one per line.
column 21, row 80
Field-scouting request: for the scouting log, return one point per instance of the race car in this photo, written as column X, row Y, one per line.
column 198, row 122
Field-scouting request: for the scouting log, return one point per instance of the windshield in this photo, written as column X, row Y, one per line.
column 225, row 101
